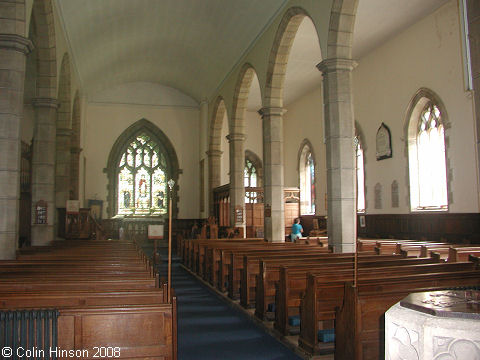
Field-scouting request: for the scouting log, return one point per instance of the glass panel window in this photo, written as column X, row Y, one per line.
column 360, row 178
column 307, row 181
column 427, row 164
column 142, row 179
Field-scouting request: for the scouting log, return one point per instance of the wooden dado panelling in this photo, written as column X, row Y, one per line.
column 307, row 223
column 456, row 228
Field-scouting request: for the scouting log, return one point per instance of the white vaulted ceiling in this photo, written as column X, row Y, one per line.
column 192, row 45
column 189, row 45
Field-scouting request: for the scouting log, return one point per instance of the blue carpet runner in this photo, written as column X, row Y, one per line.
column 208, row 328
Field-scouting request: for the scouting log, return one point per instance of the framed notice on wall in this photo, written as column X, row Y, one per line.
column 73, row 206
column 383, row 143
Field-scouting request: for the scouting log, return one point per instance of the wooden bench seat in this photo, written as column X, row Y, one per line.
column 270, row 288
column 326, row 292
column 105, row 293
column 235, row 267
column 462, row 253
column 293, row 282
column 359, row 321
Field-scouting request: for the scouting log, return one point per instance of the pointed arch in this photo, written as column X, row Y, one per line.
column 75, row 148
column 240, row 98
column 277, row 65
column 45, row 48
column 63, row 136
column 257, row 163
column 340, row 33
column 214, row 149
column 307, row 166
column 427, row 152
column 140, row 128
column 64, row 120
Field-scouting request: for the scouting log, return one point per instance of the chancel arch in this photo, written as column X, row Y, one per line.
column 141, row 162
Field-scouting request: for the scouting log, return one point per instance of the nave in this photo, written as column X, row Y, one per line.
column 210, row 328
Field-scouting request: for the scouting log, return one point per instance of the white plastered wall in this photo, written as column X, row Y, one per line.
column 428, row 54
column 106, row 122
column 304, row 120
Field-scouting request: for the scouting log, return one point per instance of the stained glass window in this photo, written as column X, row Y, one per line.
column 250, row 180
column 142, row 179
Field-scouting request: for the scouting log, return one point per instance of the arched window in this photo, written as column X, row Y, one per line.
column 360, row 176
column 250, row 174
column 427, row 161
column 142, row 178
column 141, row 162
column 307, row 179
column 252, row 177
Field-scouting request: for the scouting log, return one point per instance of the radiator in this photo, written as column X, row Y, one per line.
column 28, row 334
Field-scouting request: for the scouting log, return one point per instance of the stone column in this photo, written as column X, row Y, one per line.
column 473, row 15
column 43, row 167
column 62, row 168
column 339, row 134
column 13, row 51
column 214, row 158
column 274, row 220
column 74, row 172
column 237, row 186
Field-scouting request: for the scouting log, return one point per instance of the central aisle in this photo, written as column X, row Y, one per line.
column 208, row 328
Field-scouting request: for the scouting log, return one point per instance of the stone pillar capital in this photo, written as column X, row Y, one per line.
column 16, row 42
column 214, row 153
column 332, row 65
column 269, row 111
column 45, row 102
column 64, row 132
column 236, row 137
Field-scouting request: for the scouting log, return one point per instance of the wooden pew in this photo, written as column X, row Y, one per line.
column 462, row 253
column 293, row 281
column 325, row 292
column 98, row 289
column 251, row 269
column 235, row 267
column 269, row 280
column 359, row 321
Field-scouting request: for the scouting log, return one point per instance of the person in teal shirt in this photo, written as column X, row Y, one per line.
column 297, row 230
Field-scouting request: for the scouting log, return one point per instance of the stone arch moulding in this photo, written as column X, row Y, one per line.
column 43, row 20
column 141, row 126
column 278, row 59
column 342, row 22
column 240, row 99
column 214, row 148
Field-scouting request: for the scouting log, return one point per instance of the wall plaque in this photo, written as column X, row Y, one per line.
column 383, row 142
column 268, row 210
column 238, row 215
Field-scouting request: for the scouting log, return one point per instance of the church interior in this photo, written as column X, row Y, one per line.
column 153, row 147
